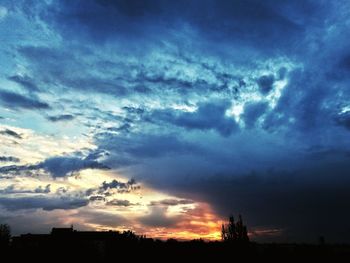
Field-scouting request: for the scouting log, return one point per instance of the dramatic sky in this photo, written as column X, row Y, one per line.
column 165, row 117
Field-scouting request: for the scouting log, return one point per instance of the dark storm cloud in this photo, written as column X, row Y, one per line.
column 16, row 169
column 302, row 202
column 96, row 154
column 45, row 190
column 131, row 148
column 59, row 166
column 55, row 65
column 118, row 202
column 63, row 117
column 210, row 115
column 176, row 83
column 265, row 83
column 304, row 110
column 343, row 119
column 41, row 202
column 134, row 110
column 63, row 166
column 11, row 189
column 118, row 185
column 114, row 186
column 122, row 128
column 252, row 112
column 96, row 198
column 18, row 101
column 11, row 133
column 345, row 62
column 321, row 153
column 223, row 22
column 25, row 82
column 9, row 159
column 102, row 19
column 248, row 21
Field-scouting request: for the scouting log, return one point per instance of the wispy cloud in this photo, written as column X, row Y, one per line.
column 18, row 101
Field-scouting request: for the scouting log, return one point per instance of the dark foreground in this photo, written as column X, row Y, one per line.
column 197, row 251
column 66, row 244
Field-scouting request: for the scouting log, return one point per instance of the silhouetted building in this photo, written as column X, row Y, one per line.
column 69, row 240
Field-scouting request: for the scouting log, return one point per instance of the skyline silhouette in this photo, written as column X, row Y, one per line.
column 105, row 245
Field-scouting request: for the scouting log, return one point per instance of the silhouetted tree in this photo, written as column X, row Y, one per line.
column 223, row 233
column 5, row 235
column 130, row 235
column 234, row 231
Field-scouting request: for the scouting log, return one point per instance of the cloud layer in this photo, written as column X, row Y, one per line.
column 243, row 105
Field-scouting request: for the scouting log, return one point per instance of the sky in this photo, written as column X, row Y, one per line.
column 165, row 117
